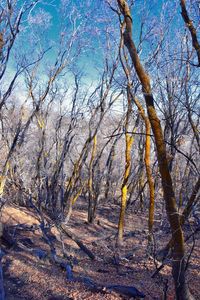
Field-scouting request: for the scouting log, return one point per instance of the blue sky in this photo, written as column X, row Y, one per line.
column 94, row 14
column 96, row 7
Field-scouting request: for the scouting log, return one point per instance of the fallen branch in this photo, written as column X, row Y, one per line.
column 63, row 228
column 130, row 291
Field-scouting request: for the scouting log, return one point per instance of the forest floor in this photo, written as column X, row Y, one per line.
column 26, row 276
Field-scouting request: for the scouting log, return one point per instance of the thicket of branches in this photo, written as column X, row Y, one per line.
column 74, row 124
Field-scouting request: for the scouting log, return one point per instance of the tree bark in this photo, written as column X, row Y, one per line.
column 91, row 204
column 193, row 33
column 178, row 264
column 124, row 187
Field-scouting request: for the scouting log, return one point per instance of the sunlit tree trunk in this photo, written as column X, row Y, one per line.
column 145, row 118
column 178, row 265
column 147, row 160
column 148, row 165
column 141, row 174
column 149, row 175
column 124, row 187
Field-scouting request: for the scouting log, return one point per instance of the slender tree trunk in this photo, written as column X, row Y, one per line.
column 191, row 202
column 141, row 174
column 91, row 205
column 147, row 137
column 72, row 201
column 149, row 175
column 193, row 33
column 109, row 165
column 3, row 178
column 124, row 188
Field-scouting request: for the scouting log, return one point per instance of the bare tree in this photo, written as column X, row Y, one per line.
column 182, row 291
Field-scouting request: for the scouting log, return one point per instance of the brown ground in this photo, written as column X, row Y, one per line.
column 28, row 277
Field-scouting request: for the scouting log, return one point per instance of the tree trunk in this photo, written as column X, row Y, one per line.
column 124, row 188
column 91, row 210
column 193, row 33
column 178, row 265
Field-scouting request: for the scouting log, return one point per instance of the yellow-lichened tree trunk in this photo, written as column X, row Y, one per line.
column 148, row 136
column 124, row 188
column 178, row 266
column 148, row 164
column 149, row 175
